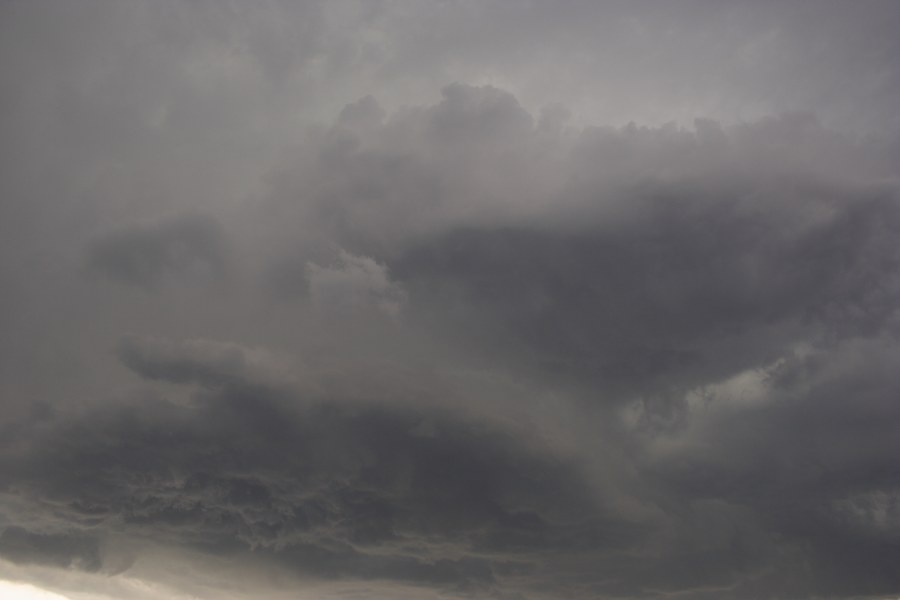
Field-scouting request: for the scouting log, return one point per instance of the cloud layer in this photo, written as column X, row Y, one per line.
column 295, row 313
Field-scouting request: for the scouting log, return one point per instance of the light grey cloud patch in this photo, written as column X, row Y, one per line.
column 205, row 362
column 353, row 284
column 182, row 249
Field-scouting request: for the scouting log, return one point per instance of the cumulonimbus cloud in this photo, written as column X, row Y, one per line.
column 620, row 362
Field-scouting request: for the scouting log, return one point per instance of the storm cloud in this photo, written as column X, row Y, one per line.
column 450, row 300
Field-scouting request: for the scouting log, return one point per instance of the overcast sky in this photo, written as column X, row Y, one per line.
column 440, row 299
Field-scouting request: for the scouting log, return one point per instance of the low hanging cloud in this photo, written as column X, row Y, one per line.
column 66, row 551
column 814, row 463
column 618, row 362
column 332, row 487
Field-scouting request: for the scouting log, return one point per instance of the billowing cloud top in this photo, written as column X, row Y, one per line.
column 450, row 300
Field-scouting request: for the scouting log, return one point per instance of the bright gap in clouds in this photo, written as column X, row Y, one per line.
column 20, row 591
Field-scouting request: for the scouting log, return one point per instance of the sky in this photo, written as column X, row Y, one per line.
column 449, row 299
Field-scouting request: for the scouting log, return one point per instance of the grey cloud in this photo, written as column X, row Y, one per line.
column 477, row 159
column 330, row 489
column 813, row 461
column 619, row 255
column 651, row 62
column 665, row 292
column 80, row 552
column 345, row 489
column 205, row 362
column 634, row 275
column 485, row 339
column 423, row 168
column 187, row 248
column 642, row 264
column 354, row 283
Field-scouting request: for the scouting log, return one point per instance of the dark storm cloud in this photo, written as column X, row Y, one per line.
column 650, row 267
column 190, row 247
column 661, row 295
column 288, row 312
column 336, row 488
column 813, row 458
column 622, row 256
column 711, row 298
